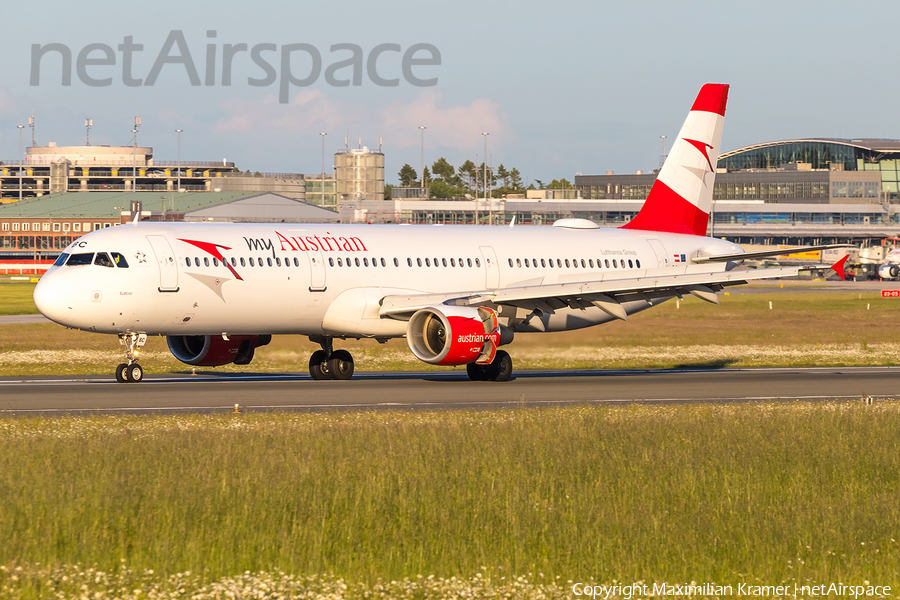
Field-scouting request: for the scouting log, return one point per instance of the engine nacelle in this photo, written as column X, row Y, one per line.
column 213, row 351
column 454, row 335
column 888, row 271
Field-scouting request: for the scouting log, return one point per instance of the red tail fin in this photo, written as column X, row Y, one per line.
column 680, row 199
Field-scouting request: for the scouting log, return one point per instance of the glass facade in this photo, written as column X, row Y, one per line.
column 359, row 174
column 819, row 154
column 825, row 155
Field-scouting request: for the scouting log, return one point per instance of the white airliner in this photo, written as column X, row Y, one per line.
column 218, row 291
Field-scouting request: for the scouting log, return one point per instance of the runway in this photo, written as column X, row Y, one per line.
column 220, row 392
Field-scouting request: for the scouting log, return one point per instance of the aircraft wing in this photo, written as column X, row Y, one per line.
column 606, row 294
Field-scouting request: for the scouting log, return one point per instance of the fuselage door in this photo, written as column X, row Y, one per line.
column 661, row 257
column 491, row 268
column 165, row 260
column 316, row 271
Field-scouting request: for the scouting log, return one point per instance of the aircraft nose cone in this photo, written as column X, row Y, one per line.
column 54, row 296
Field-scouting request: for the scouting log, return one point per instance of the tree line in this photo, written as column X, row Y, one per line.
column 444, row 180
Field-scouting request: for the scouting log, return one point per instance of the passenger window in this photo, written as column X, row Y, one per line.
column 340, row 262
column 419, row 261
column 188, row 261
column 365, row 262
column 252, row 264
column 607, row 263
column 630, row 264
column 119, row 260
column 559, row 263
column 591, row 262
column 268, row 261
column 296, row 263
column 567, row 263
column 477, row 262
column 196, row 262
column 103, row 260
column 550, row 262
column 215, row 262
column 278, row 262
column 543, row 264
column 518, row 262
column 330, row 262
column 526, row 263
column 243, row 264
column 638, row 263
column 233, row 262
column 469, row 261
column 205, row 261
column 444, row 261
column 80, row 259
column 396, row 263
column 461, row 262
column 583, row 266
column 436, row 263
column 383, row 264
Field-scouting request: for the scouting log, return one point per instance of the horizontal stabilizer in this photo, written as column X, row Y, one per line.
column 764, row 253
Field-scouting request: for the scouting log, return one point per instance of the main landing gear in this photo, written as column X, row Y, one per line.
column 498, row 370
column 328, row 363
column 131, row 372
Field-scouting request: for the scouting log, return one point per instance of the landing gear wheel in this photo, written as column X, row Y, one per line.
column 120, row 373
column 478, row 372
column 340, row 365
column 318, row 366
column 501, row 368
column 134, row 373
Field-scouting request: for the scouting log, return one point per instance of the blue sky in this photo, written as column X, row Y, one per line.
column 561, row 87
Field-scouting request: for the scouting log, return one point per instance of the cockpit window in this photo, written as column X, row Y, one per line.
column 119, row 260
column 103, row 260
column 85, row 258
column 61, row 260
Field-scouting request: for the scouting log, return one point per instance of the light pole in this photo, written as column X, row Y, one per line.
column 21, row 127
column 323, row 167
column 178, row 189
column 662, row 157
column 475, row 178
column 484, row 180
column 137, row 123
column 422, row 129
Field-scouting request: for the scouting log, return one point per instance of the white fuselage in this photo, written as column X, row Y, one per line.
column 330, row 279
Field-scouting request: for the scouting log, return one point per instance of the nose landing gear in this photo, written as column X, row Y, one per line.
column 131, row 372
column 328, row 363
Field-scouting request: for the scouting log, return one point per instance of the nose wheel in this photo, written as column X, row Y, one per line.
column 131, row 371
column 328, row 363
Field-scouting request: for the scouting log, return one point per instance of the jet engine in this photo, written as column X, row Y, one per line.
column 888, row 271
column 455, row 335
column 214, row 350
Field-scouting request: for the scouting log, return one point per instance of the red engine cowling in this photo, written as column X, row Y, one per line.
column 454, row 335
column 213, row 351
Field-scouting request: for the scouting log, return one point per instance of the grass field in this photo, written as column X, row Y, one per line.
column 16, row 299
column 761, row 493
column 802, row 329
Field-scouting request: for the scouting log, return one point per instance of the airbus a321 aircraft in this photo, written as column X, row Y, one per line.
column 219, row 291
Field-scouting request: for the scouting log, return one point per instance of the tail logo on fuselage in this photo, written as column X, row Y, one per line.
column 213, row 250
